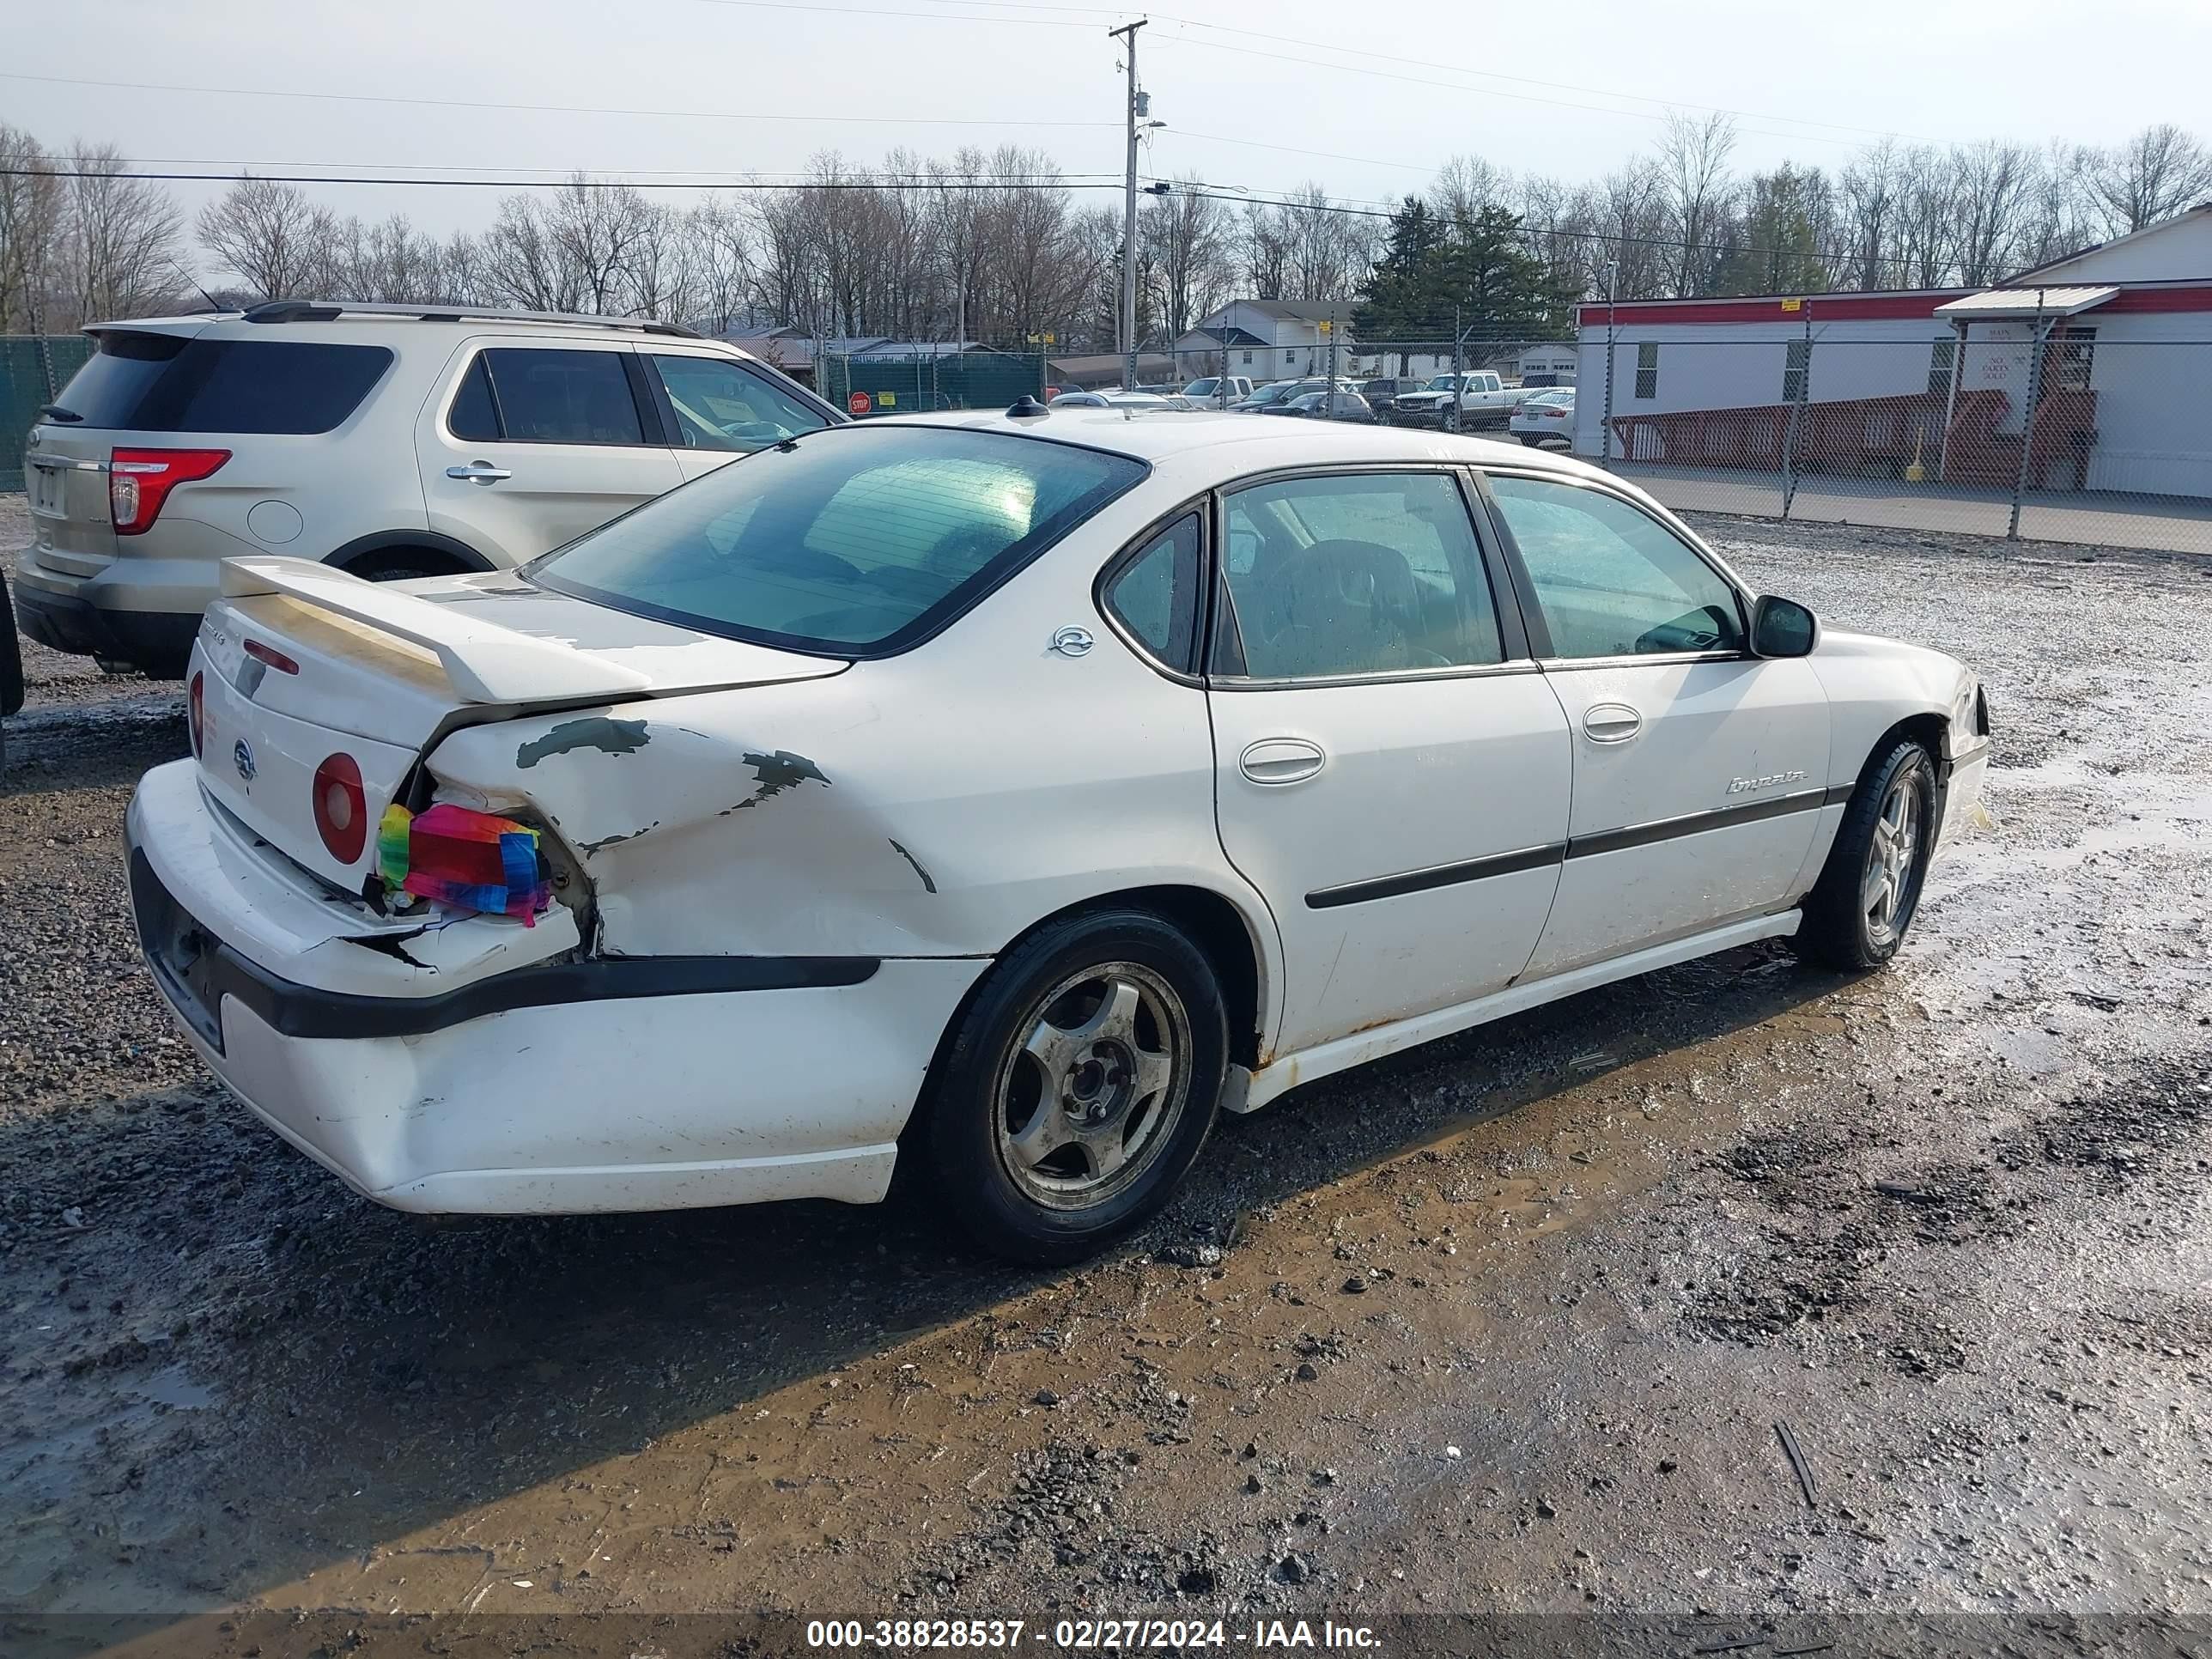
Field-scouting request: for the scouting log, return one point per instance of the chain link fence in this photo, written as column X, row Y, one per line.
column 34, row 369
column 866, row 385
column 2022, row 431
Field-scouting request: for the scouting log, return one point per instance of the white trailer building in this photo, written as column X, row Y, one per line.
column 1859, row 384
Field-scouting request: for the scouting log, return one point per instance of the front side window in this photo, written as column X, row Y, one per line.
column 1155, row 595
column 857, row 539
column 1373, row 574
column 720, row 405
column 558, row 396
column 1612, row 580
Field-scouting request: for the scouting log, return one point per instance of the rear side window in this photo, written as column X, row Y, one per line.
column 143, row 382
column 553, row 396
column 858, row 540
column 1155, row 595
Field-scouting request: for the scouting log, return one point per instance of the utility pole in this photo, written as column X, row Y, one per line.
column 1128, row 34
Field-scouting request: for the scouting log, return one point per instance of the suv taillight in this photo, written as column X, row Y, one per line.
column 140, row 480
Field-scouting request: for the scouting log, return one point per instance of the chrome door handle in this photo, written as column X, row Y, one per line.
column 1281, row 760
column 1611, row 722
column 478, row 472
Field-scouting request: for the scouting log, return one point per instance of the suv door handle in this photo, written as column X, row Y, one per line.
column 482, row 472
column 1281, row 760
column 1611, row 722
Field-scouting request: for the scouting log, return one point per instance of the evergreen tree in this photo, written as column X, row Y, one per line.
column 1399, row 299
column 1475, row 270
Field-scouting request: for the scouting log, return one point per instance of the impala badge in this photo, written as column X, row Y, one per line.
column 241, row 756
column 1772, row 780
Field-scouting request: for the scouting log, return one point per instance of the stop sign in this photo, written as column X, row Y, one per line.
column 858, row 403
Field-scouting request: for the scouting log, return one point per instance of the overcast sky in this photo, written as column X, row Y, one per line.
column 1385, row 90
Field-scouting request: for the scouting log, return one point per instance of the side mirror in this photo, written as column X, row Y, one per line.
column 1783, row 628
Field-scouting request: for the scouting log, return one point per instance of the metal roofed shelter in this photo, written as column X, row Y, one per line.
column 2043, row 309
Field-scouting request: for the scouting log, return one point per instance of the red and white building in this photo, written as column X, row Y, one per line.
column 2121, row 385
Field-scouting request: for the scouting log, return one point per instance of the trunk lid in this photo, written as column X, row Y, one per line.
column 65, row 479
column 298, row 664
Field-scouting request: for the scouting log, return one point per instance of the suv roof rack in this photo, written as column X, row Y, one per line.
column 324, row 311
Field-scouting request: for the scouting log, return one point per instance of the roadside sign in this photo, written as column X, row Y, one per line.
column 888, row 399
column 858, row 403
column 1793, row 304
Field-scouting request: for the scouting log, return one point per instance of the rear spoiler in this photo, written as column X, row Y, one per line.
column 485, row 662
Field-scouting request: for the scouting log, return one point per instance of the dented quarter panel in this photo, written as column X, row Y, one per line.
column 938, row 803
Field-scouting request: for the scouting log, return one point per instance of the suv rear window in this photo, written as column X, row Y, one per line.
column 140, row 381
column 854, row 540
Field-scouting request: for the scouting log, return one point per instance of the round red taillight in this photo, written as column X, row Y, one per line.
column 192, row 715
column 341, row 808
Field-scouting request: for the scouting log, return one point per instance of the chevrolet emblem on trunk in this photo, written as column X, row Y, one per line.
column 241, row 756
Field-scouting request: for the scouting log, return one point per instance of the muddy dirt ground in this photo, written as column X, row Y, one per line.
column 1505, row 1325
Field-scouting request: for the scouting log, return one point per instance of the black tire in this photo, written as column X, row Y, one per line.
column 984, row 1078
column 401, row 564
column 1841, row 929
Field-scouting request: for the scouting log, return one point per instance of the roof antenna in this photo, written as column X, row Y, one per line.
column 1026, row 407
column 213, row 304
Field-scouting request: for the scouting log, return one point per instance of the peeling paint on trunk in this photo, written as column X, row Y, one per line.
column 928, row 885
column 773, row 774
column 613, row 737
column 589, row 847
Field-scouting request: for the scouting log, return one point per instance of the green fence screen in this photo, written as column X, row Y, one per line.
column 34, row 369
column 908, row 386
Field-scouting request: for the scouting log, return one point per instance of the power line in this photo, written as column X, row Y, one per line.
column 872, row 11
column 1488, row 92
column 735, row 180
column 542, row 109
column 1338, row 49
column 957, row 185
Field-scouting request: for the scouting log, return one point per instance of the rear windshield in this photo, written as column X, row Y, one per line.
column 145, row 382
column 859, row 540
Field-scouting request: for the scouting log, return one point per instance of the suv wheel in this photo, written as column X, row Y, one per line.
column 400, row 564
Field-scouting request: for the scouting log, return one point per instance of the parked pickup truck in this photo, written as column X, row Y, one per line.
column 1485, row 400
column 1219, row 390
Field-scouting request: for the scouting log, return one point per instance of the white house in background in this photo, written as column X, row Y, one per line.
column 2124, row 387
column 1267, row 339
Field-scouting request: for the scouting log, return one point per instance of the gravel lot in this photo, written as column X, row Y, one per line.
column 1504, row 1326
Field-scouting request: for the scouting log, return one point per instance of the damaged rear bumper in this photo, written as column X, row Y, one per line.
column 543, row 1088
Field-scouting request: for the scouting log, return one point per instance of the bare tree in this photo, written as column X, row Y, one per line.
column 1927, row 196
column 1186, row 240
column 271, row 236
column 1991, row 185
column 1693, row 158
column 388, row 261
column 2153, row 176
column 722, row 256
column 121, row 241
column 30, row 222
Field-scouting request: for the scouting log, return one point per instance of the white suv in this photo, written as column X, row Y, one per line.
column 389, row 440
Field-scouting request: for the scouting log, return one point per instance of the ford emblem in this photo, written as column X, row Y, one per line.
column 241, row 756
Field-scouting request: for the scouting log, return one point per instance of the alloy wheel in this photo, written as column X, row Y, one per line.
column 1092, row 1094
column 1891, row 853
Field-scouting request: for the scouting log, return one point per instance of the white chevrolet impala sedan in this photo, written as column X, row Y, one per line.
column 1009, row 793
